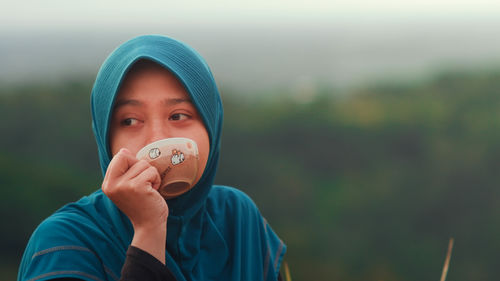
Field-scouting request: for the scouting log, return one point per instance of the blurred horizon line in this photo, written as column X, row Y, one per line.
column 262, row 57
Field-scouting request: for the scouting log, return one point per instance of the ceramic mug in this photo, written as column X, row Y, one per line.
column 177, row 162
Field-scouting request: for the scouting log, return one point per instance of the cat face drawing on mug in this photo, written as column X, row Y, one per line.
column 154, row 153
column 177, row 157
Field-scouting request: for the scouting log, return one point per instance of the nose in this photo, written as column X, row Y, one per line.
column 157, row 130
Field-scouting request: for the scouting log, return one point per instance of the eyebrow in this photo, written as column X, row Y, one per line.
column 175, row 101
column 120, row 103
column 132, row 102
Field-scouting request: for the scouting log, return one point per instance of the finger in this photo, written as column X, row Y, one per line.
column 136, row 169
column 157, row 180
column 120, row 163
column 149, row 176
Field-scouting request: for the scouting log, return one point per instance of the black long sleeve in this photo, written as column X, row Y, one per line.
column 140, row 266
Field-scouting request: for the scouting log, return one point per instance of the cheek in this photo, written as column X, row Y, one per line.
column 115, row 143
column 119, row 141
column 203, row 150
column 116, row 139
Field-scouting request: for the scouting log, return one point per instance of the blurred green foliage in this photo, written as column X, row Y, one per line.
column 362, row 184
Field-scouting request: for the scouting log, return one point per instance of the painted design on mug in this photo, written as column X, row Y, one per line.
column 177, row 157
column 154, row 153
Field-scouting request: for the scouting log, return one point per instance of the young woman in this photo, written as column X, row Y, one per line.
column 151, row 88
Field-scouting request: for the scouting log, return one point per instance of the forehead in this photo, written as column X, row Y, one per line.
column 146, row 79
column 143, row 65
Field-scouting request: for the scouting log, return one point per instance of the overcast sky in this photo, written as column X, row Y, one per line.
column 92, row 13
column 269, row 41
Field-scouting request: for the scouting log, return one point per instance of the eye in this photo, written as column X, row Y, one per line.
column 178, row 117
column 129, row 122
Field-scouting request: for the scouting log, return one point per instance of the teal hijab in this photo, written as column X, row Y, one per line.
column 213, row 232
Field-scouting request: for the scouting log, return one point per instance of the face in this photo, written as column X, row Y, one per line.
column 152, row 104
